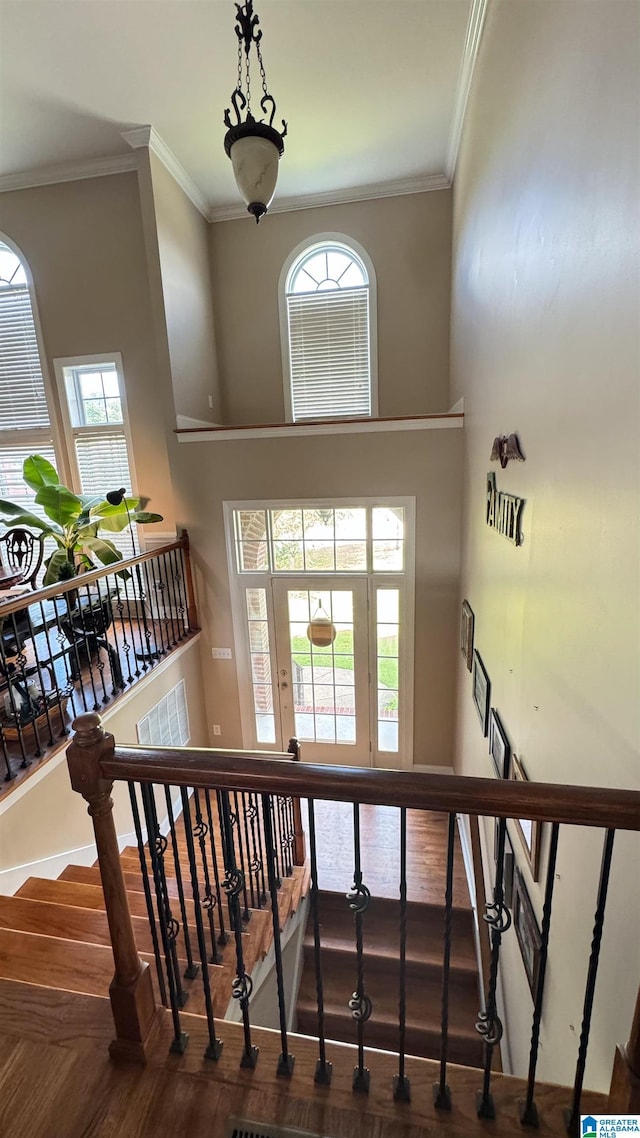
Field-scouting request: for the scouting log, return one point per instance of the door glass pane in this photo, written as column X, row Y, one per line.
column 387, row 528
column 387, row 638
column 323, row 678
column 260, row 658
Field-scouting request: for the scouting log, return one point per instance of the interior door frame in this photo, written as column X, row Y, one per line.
column 240, row 581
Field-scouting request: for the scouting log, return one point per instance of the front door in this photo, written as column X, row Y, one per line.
column 324, row 689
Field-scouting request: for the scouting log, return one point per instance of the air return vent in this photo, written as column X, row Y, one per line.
column 242, row 1129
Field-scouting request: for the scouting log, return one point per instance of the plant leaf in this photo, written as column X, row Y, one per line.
column 59, row 504
column 38, row 472
column 104, row 509
column 20, row 517
column 54, row 565
column 144, row 519
column 105, row 551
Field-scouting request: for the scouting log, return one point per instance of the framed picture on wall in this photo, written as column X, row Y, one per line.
column 466, row 634
column 481, row 691
column 499, row 745
column 528, row 831
column 508, row 864
column 527, row 931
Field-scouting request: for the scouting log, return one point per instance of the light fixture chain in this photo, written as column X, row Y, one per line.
column 239, row 65
column 248, row 86
column 262, row 71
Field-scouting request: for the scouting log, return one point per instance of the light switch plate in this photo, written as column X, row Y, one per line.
column 222, row 653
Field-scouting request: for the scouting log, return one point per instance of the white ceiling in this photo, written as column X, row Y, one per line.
column 369, row 88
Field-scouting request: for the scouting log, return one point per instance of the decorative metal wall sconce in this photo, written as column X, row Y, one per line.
column 506, row 447
column 254, row 146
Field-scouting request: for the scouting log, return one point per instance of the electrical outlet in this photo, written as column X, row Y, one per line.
column 217, row 729
column 211, row 401
column 222, row 654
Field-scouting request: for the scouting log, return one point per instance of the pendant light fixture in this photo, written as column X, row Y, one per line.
column 321, row 631
column 254, row 147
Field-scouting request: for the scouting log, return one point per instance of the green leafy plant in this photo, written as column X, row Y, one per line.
column 75, row 521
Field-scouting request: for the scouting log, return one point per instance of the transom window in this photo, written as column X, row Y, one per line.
column 327, row 306
column 356, row 539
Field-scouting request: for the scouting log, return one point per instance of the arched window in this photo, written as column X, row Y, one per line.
column 25, row 424
column 327, row 311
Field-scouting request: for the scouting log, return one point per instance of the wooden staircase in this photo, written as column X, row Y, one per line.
column 424, row 950
column 54, row 933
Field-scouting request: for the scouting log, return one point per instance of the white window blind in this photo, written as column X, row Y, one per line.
column 166, row 724
column 329, row 354
column 23, row 405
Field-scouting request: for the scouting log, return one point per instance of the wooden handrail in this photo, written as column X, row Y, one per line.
column 83, row 580
column 239, row 770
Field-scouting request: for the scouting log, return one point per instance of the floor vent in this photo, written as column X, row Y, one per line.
column 241, row 1129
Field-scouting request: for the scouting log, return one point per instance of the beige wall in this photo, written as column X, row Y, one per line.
column 545, row 343
column 83, row 243
column 425, row 464
column 182, row 235
column 409, row 241
column 50, row 819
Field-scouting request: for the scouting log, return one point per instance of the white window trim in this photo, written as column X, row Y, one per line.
column 239, row 582
column 317, row 240
column 60, row 364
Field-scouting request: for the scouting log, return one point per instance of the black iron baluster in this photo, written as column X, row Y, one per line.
column 126, row 646
column 214, row 1047
column 42, row 697
column 527, row 1108
column 169, row 928
column 113, row 650
column 69, row 652
column 489, row 1025
column 223, row 937
column 247, row 846
column 276, row 838
column 441, row 1092
column 155, row 592
column 20, row 698
column 401, row 1084
column 178, row 629
column 135, row 652
column 147, row 893
column 149, row 653
column 235, row 822
column 323, row 1067
column 232, row 885
column 572, row 1116
column 182, row 600
column 286, row 836
column 201, row 830
column 360, row 1004
column 86, row 632
column 11, row 774
column 58, row 693
column 162, row 585
column 191, row 971
column 286, row 1061
column 257, row 857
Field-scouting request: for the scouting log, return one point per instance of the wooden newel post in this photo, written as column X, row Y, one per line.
column 131, row 992
column 192, row 610
column 299, row 851
column 624, row 1092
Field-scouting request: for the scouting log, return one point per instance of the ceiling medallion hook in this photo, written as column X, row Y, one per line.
column 254, row 146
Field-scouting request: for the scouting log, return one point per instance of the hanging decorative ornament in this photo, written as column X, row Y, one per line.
column 254, row 147
column 322, row 631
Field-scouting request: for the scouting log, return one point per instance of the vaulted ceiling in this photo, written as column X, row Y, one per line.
column 372, row 90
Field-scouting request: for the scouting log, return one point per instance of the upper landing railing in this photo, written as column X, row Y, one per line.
column 220, row 796
column 77, row 645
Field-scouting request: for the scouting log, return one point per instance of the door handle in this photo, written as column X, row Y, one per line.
column 284, row 684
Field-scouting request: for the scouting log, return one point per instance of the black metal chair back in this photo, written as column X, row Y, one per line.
column 23, row 551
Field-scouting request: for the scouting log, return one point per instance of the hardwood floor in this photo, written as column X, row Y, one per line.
column 380, row 849
column 57, row 1082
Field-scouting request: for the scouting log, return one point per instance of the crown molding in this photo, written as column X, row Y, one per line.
column 68, row 172
column 340, row 197
column 473, row 36
column 146, row 136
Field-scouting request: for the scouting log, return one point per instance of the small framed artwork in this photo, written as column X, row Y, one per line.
column 527, row 931
column 529, row 831
column 466, row 634
column 499, row 745
column 481, row 691
column 508, row 864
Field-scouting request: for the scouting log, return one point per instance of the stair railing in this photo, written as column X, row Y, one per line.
column 265, row 788
column 75, row 646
